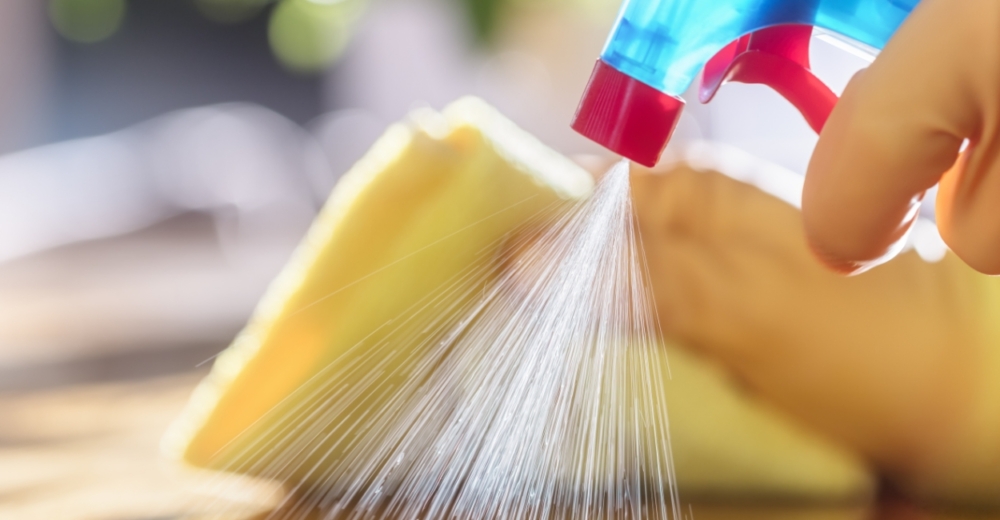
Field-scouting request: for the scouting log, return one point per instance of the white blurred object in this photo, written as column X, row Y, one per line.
column 253, row 170
column 926, row 240
column 73, row 191
column 848, row 45
column 197, row 210
column 235, row 155
column 244, row 164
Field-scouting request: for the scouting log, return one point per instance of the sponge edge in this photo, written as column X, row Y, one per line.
column 184, row 435
column 420, row 206
column 430, row 196
column 520, row 149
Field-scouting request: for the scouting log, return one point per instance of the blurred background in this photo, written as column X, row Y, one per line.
column 159, row 159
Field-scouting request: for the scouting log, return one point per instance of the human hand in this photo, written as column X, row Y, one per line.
column 897, row 131
column 898, row 364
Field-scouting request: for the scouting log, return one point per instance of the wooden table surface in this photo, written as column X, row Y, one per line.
column 91, row 452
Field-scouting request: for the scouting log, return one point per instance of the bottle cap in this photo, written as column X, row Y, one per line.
column 626, row 115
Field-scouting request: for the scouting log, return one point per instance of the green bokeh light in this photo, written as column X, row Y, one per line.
column 309, row 35
column 86, row 21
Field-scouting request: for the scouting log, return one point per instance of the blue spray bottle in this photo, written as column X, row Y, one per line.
column 657, row 48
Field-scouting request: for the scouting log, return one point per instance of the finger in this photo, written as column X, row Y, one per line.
column 896, row 130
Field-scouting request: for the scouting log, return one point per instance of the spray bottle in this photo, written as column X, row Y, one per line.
column 657, row 48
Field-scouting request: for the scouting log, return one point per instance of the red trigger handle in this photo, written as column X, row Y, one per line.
column 779, row 58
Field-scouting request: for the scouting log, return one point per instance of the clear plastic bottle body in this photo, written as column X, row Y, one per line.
column 666, row 43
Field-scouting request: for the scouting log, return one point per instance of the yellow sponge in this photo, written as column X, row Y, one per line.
column 433, row 199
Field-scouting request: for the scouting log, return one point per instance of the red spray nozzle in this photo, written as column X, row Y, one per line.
column 636, row 120
column 627, row 116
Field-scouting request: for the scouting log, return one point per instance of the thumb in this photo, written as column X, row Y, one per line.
column 898, row 128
